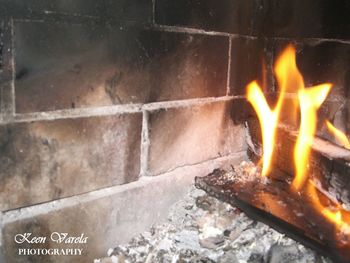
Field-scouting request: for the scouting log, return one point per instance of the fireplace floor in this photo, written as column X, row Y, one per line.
column 201, row 228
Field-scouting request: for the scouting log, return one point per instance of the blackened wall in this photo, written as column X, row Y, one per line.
column 95, row 97
column 319, row 29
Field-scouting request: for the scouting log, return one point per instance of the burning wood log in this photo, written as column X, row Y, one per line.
column 283, row 193
column 329, row 164
column 272, row 202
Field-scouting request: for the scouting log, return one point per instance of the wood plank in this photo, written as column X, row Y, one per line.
column 272, row 202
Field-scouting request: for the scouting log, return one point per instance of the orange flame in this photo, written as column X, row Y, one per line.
column 268, row 117
column 334, row 214
column 310, row 100
column 289, row 80
column 338, row 135
column 307, row 102
column 268, row 120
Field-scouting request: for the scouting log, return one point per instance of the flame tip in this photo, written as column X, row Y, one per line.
column 338, row 135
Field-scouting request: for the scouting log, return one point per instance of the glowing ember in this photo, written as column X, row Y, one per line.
column 338, row 135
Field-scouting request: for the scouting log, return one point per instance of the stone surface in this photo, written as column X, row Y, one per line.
column 180, row 239
column 234, row 16
column 251, row 59
column 322, row 62
column 107, row 217
column 287, row 18
column 90, row 65
column 318, row 61
column 122, row 11
column 190, row 135
column 298, row 18
column 46, row 160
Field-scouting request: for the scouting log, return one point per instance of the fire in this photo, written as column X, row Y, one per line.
column 268, row 117
column 308, row 101
column 333, row 213
column 338, row 135
column 303, row 112
column 289, row 80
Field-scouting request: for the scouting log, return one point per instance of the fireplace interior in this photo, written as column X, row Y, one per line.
column 112, row 112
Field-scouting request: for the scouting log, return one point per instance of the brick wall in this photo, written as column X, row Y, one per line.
column 109, row 108
column 106, row 117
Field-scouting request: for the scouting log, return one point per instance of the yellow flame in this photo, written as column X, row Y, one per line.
column 288, row 76
column 268, row 118
column 307, row 102
column 338, row 135
column 334, row 214
column 289, row 80
column 310, row 100
column 268, row 121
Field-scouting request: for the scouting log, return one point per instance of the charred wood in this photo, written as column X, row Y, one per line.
column 329, row 165
column 272, row 203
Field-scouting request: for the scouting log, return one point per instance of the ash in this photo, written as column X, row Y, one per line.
column 245, row 172
column 203, row 229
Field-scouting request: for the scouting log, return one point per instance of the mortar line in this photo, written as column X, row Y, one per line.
column 113, row 110
column 154, row 12
column 224, row 157
column 145, row 142
column 1, row 103
column 2, row 29
column 315, row 39
column 13, row 73
column 185, row 103
column 1, row 229
column 271, row 68
column 191, row 30
column 75, row 113
column 66, row 202
column 47, row 12
column 228, row 82
column 80, row 20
